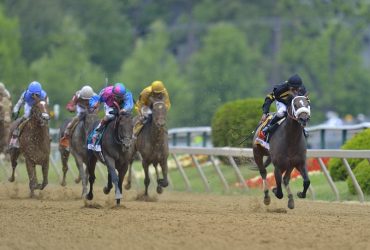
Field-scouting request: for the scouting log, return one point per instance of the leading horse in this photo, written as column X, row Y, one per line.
column 34, row 144
column 115, row 154
column 78, row 148
column 287, row 151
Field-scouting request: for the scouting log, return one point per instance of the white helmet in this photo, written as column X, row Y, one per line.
column 86, row 92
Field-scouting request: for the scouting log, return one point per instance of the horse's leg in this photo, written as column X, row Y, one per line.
column 91, row 163
column 81, row 173
column 31, row 176
column 80, row 167
column 109, row 162
column 129, row 176
column 14, row 154
column 121, row 173
column 262, row 169
column 278, row 178
column 147, row 178
column 64, row 156
column 306, row 180
column 45, row 172
column 286, row 180
column 162, row 182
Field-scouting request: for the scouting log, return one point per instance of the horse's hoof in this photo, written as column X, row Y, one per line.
column 11, row 179
column 267, row 200
column 77, row 180
column 89, row 196
column 159, row 189
column 106, row 190
column 43, row 185
column 128, row 186
column 162, row 182
column 63, row 183
column 118, row 202
column 301, row 195
column 277, row 194
column 290, row 202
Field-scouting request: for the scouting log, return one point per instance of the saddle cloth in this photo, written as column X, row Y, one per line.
column 94, row 142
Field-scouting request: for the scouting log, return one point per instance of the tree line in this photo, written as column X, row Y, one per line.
column 206, row 52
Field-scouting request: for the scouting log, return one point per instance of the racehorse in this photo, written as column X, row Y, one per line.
column 78, row 148
column 115, row 154
column 34, row 144
column 287, row 151
column 152, row 144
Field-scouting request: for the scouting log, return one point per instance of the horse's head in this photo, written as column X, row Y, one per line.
column 40, row 112
column 125, row 130
column 301, row 110
column 159, row 113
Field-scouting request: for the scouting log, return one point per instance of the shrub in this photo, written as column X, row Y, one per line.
column 360, row 141
column 235, row 121
column 362, row 173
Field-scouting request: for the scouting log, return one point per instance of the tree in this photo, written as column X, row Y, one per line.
column 12, row 70
column 67, row 68
column 151, row 61
column 224, row 69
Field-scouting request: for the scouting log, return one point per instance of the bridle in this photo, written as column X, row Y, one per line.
column 294, row 113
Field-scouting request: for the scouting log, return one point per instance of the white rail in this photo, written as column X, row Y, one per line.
column 248, row 153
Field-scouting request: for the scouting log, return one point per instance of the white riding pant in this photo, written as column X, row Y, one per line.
column 108, row 109
column 80, row 110
column 280, row 109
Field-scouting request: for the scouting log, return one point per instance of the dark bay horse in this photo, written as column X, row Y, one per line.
column 34, row 144
column 287, row 151
column 152, row 144
column 115, row 154
column 78, row 148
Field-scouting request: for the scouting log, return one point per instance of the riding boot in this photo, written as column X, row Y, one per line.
column 270, row 127
column 98, row 130
column 14, row 143
column 64, row 140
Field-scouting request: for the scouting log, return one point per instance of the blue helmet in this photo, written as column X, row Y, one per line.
column 119, row 89
column 35, row 88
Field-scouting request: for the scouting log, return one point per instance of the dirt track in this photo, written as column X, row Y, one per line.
column 58, row 219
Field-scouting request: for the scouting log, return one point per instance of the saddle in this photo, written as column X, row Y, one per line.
column 95, row 145
column 260, row 141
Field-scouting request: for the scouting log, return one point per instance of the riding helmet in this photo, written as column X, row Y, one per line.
column 157, row 87
column 86, row 92
column 295, row 81
column 35, row 88
column 119, row 89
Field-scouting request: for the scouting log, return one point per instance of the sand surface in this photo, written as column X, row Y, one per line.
column 58, row 219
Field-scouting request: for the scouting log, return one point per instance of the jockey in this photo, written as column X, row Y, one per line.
column 79, row 104
column 116, row 99
column 27, row 98
column 283, row 95
column 156, row 91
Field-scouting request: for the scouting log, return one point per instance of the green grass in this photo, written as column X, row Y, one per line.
column 319, row 184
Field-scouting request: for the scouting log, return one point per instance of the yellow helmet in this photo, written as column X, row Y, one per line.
column 157, row 87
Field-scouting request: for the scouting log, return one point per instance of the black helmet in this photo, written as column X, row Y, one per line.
column 295, row 81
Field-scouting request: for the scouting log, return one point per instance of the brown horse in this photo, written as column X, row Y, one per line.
column 152, row 144
column 287, row 151
column 34, row 144
column 115, row 154
column 78, row 148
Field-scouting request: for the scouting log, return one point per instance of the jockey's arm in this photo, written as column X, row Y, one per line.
column 268, row 100
column 167, row 100
column 128, row 104
column 19, row 104
column 143, row 100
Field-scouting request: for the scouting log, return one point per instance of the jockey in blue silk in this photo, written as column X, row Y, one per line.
column 116, row 99
column 27, row 99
